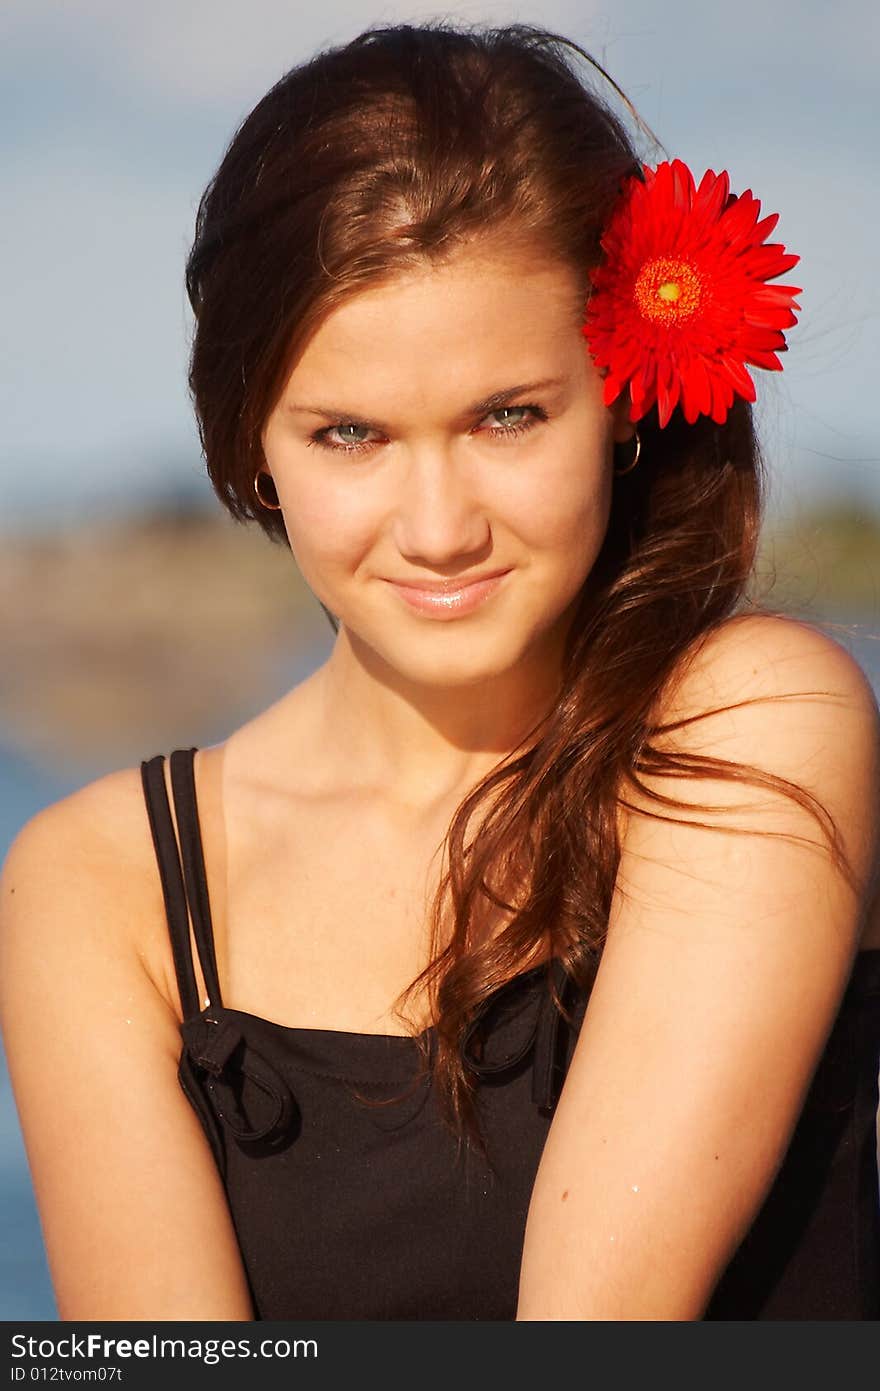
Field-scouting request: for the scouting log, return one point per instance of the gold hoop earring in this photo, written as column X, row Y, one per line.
column 635, row 459
column 272, row 506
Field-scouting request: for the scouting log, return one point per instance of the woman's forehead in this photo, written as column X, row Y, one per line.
column 479, row 315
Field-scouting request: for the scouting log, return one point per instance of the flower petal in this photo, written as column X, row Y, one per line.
column 694, row 357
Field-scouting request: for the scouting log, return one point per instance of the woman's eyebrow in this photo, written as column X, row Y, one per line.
column 478, row 408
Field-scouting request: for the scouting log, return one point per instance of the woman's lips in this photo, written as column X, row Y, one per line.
column 448, row 603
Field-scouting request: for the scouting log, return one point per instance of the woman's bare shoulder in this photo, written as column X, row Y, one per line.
column 761, row 684
column 723, row 969
column 104, row 814
column 92, row 1048
column 761, row 654
column 91, row 847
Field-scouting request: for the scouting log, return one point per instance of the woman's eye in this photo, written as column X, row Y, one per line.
column 531, row 414
column 508, row 411
column 348, row 441
column 349, row 435
column 349, row 445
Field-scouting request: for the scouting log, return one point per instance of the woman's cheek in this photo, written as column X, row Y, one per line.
column 334, row 548
column 570, row 510
column 319, row 517
column 583, row 526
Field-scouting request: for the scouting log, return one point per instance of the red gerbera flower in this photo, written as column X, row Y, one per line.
column 681, row 302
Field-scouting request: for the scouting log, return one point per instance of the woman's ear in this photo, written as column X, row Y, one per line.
column 623, row 428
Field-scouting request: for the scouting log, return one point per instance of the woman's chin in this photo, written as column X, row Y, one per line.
column 439, row 660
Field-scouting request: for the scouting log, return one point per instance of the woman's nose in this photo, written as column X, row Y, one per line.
column 439, row 512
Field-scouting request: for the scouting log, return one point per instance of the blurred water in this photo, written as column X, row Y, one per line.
column 25, row 1289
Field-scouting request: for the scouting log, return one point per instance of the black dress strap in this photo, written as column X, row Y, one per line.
column 186, row 893
column 183, row 786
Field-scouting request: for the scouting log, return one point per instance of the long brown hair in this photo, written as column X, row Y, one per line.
column 367, row 160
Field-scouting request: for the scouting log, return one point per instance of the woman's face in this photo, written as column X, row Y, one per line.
column 390, row 465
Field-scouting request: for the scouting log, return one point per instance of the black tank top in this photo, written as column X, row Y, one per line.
column 347, row 1211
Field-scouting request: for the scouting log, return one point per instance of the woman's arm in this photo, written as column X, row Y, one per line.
column 724, row 966
column 133, row 1212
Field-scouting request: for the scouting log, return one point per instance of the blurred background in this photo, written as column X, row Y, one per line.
column 123, row 585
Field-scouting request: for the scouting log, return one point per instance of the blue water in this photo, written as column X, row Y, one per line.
column 25, row 788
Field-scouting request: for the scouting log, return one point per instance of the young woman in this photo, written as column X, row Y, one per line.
column 525, row 958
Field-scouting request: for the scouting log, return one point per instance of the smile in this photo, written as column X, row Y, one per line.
column 448, row 603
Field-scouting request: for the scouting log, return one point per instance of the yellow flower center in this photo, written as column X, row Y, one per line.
column 668, row 291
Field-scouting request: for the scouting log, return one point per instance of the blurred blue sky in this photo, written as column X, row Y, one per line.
column 114, row 115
